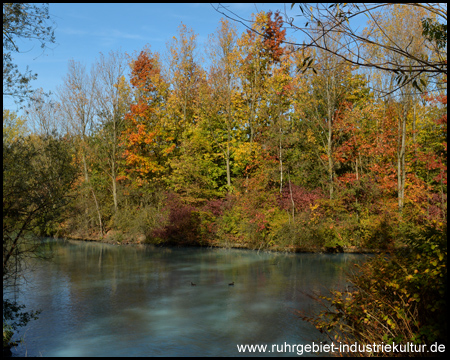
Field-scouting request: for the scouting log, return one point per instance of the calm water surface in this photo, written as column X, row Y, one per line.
column 105, row 300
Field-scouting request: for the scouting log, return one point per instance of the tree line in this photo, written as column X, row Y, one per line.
column 251, row 149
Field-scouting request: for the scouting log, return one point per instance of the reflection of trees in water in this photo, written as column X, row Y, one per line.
column 145, row 265
column 114, row 272
column 106, row 289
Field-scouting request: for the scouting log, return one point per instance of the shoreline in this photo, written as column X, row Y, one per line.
column 289, row 249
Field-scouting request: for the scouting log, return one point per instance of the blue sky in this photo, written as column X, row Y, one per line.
column 84, row 30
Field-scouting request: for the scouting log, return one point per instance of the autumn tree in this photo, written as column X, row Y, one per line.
column 253, row 72
column 147, row 138
column 184, row 74
column 401, row 28
column 431, row 155
column 223, row 79
column 260, row 56
column 323, row 95
column 77, row 99
column 185, row 104
column 112, row 95
column 278, row 88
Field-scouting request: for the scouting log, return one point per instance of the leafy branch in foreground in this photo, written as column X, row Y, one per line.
column 37, row 176
column 318, row 23
column 22, row 21
column 397, row 298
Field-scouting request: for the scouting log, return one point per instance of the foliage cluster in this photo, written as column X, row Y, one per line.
column 396, row 298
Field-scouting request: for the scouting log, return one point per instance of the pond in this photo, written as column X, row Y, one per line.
column 105, row 300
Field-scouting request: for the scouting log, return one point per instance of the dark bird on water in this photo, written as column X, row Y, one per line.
column 231, row 284
column 192, row 284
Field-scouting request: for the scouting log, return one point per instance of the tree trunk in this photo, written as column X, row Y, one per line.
column 114, row 186
column 228, row 145
column 356, row 196
column 401, row 173
column 229, row 128
column 292, row 199
column 331, row 99
column 414, row 138
column 86, row 177
column 281, row 166
column 228, row 165
column 113, row 167
column 330, row 159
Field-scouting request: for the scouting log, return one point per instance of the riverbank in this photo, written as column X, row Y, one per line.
column 117, row 238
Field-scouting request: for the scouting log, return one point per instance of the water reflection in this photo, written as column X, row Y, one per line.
column 105, row 300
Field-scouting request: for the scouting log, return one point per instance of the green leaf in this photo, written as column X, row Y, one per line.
column 414, row 83
column 424, row 83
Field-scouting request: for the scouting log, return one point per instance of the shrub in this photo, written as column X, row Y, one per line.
column 396, row 298
column 138, row 220
column 183, row 223
column 229, row 226
column 378, row 231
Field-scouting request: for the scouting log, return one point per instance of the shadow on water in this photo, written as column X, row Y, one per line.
column 104, row 300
